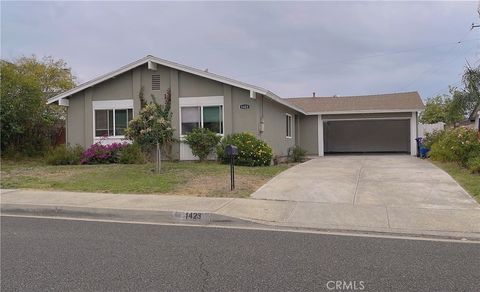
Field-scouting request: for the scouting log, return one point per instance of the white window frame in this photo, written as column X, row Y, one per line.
column 290, row 119
column 201, row 102
column 121, row 104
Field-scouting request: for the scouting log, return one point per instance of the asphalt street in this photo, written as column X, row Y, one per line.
column 40, row 254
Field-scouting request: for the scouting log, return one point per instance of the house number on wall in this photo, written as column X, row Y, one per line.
column 244, row 106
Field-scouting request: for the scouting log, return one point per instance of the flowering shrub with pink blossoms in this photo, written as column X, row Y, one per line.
column 100, row 154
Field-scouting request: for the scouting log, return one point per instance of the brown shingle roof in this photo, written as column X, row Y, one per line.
column 379, row 102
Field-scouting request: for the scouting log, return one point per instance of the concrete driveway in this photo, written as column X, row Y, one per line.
column 369, row 180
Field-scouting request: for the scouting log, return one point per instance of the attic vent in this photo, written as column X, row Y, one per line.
column 156, row 82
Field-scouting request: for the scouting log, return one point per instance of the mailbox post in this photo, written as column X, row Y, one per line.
column 232, row 151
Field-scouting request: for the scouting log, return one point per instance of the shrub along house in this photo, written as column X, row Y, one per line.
column 100, row 109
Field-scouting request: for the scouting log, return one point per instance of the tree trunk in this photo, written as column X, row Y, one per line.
column 159, row 159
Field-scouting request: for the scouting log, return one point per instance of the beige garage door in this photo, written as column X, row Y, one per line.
column 363, row 136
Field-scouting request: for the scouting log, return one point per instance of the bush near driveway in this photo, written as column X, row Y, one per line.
column 473, row 164
column 297, row 154
column 251, row 150
column 457, row 151
column 459, row 145
column 469, row 181
column 431, row 138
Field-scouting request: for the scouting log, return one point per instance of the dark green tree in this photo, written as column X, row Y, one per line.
column 26, row 120
column 434, row 110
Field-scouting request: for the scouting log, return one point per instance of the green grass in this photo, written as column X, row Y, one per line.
column 183, row 178
column 469, row 181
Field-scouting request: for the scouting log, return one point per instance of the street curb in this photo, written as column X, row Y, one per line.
column 209, row 218
column 152, row 216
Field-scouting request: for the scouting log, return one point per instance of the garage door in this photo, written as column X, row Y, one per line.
column 367, row 136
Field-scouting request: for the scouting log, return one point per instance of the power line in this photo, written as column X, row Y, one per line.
column 446, row 87
column 359, row 58
column 432, row 69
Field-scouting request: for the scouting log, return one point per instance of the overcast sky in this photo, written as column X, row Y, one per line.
column 290, row 48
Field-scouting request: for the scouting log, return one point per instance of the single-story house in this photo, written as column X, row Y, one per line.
column 100, row 109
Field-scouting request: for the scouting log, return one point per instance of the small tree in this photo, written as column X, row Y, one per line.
column 202, row 142
column 434, row 110
column 153, row 126
column 444, row 108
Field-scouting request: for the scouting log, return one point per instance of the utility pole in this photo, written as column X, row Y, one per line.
column 473, row 24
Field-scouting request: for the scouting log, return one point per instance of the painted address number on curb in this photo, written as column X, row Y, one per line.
column 193, row 216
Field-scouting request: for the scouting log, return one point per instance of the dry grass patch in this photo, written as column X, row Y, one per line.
column 219, row 185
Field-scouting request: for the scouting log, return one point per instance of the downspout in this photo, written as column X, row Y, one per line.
column 66, row 128
column 261, row 127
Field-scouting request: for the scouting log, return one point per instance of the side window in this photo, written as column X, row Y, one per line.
column 156, row 82
column 288, row 125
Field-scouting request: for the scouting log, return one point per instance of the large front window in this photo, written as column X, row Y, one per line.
column 112, row 122
column 209, row 117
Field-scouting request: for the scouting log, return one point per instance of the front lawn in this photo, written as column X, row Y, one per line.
column 469, row 181
column 208, row 179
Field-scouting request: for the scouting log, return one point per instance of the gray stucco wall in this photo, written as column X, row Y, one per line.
column 76, row 120
column 182, row 84
column 191, row 86
column 119, row 87
column 244, row 120
column 309, row 134
column 274, row 116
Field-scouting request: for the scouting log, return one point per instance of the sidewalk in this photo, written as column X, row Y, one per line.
column 309, row 215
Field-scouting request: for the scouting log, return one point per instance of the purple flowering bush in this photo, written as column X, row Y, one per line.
column 101, row 154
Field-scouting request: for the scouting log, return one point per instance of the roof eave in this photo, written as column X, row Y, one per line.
column 98, row 80
column 365, row 111
column 166, row 63
column 284, row 102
